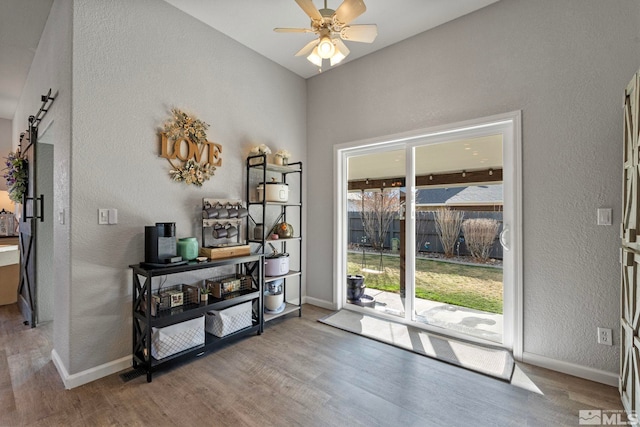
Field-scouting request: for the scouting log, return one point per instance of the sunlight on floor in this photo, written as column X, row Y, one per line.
column 521, row 380
column 422, row 342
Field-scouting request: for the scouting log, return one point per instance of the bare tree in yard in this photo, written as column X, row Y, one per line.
column 448, row 225
column 379, row 208
column 479, row 235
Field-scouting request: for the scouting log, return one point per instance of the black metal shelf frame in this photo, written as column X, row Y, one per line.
column 259, row 162
column 291, row 273
column 143, row 321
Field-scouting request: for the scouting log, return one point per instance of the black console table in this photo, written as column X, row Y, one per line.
column 144, row 319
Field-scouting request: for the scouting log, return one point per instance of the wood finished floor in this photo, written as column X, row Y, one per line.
column 299, row 372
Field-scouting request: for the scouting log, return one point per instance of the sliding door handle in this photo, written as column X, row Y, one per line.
column 503, row 237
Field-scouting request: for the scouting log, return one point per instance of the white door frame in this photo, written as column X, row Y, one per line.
column 509, row 126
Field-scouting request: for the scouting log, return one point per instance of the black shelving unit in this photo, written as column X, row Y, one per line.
column 258, row 171
column 143, row 321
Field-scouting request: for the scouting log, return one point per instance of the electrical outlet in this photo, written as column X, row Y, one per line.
column 604, row 336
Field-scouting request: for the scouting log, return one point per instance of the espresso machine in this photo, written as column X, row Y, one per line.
column 160, row 247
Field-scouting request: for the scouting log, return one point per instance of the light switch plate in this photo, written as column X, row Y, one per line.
column 113, row 216
column 103, row 216
column 604, row 216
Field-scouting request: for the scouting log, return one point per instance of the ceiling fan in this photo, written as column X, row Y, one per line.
column 332, row 26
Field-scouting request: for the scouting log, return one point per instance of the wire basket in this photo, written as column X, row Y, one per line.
column 229, row 286
column 172, row 299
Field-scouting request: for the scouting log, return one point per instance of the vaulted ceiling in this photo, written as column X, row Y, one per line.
column 249, row 22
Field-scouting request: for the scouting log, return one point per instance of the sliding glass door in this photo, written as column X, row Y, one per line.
column 458, row 258
column 428, row 230
column 375, row 198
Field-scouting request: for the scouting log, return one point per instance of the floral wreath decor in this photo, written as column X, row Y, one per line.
column 192, row 173
column 16, row 176
column 183, row 128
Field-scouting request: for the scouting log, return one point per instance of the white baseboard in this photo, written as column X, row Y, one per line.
column 592, row 374
column 89, row 375
column 319, row 303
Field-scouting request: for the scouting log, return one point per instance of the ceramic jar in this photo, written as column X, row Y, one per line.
column 188, row 248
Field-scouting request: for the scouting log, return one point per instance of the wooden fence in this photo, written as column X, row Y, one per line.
column 427, row 239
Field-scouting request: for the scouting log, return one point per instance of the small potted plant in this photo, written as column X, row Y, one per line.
column 282, row 157
column 204, row 294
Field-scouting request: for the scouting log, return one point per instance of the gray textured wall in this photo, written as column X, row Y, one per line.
column 132, row 62
column 565, row 65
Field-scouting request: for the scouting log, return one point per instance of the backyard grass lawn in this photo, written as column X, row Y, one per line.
column 463, row 285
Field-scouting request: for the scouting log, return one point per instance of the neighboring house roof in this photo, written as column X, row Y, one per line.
column 436, row 196
column 354, row 200
column 474, row 195
column 490, row 194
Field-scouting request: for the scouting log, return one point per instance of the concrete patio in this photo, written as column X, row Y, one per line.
column 472, row 322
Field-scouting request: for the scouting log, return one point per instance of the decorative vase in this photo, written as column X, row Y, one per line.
column 355, row 287
column 277, row 160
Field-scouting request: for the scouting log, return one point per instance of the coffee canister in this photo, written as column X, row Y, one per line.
column 188, row 248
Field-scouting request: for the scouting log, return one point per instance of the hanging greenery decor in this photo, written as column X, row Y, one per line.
column 16, row 176
column 184, row 138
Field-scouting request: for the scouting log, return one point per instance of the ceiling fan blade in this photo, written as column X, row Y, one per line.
column 310, row 9
column 349, row 10
column 293, row 30
column 307, row 48
column 341, row 47
column 365, row 33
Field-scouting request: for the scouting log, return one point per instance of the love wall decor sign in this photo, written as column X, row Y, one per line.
column 184, row 144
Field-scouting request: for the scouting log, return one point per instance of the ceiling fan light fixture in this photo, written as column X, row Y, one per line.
column 341, row 52
column 332, row 27
column 337, row 58
column 315, row 58
column 326, row 48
